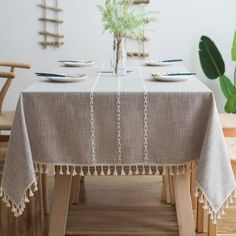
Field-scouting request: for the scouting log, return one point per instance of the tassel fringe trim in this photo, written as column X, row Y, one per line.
column 119, row 169
column 90, row 170
column 18, row 209
column 216, row 214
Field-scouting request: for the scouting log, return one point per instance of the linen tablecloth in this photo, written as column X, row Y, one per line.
column 107, row 125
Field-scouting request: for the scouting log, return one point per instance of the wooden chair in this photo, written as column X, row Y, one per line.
column 228, row 122
column 6, row 117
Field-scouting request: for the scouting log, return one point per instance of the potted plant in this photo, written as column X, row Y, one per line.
column 120, row 18
column 214, row 67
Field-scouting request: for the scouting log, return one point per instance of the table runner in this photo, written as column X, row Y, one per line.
column 108, row 125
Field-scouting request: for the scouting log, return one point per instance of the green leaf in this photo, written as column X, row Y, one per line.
column 227, row 86
column 211, row 60
column 233, row 52
column 230, row 106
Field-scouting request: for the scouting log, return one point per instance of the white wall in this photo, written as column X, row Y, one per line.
column 177, row 34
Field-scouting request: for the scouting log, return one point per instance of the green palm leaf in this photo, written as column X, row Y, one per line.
column 211, row 60
column 233, row 53
column 227, row 86
column 230, row 106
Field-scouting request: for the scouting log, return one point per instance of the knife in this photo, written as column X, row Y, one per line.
column 172, row 60
column 58, row 75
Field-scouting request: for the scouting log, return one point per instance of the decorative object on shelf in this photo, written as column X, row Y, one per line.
column 141, row 39
column 120, row 19
column 141, row 1
column 214, row 67
column 50, row 38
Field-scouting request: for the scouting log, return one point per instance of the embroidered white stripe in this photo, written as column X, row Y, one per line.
column 93, row 146
column 145, row 119
column 118, row 123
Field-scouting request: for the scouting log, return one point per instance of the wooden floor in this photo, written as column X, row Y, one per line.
column 128, row 206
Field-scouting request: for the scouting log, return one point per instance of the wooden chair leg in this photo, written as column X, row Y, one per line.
column 200, row 218
column 75, row 190
column 183, row 205
column 172, row 192
column 211, row 227
column 192, row 186
column 58, row 218
column 45, row 194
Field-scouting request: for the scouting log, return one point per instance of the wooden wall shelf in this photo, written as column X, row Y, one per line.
column 50, row 8
column 141, row 1
column 56, row 22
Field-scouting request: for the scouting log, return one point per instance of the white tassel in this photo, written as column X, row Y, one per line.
column 46, row 170
column 102, row 171
column 26, row 199
column 222, row 211
column 137, row 171
column 130, row 171
column 23, row 204
column 67, row 170
column 231, row 200
column 215, row 220
column 205, row 206
column 95, row 173
column 35, row 187
column 74, row 173
column 8, row 203
column 13, row 209
column 88, row 173
column 157, row 171
column 177, row 171
column 108, row 170
column 143, row 172
column 171, row 171
column 61, row 171
column 212, row 217
column 150, row 170
column 200, row 199
column 115, row 172
column 227, row 204
column 81, row 173
column 183, row 170
column 4, row 198
column 31, row 194
column 219, row 216
column 122, row 171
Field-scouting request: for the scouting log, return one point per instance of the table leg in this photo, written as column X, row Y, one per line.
column 211, row 227
column 58, row 217
column 183, row 205
column 200, row 218
column 75, row 190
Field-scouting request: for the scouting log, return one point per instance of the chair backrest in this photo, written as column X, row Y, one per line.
column 9, row 76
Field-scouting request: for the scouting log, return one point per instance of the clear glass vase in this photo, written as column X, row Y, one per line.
column 119, row 57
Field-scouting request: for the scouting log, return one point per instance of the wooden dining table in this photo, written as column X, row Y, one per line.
column 110, row 125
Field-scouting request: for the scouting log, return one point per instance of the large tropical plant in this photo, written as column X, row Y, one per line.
column 214, row 68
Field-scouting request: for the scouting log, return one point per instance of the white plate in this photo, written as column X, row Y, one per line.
column 66, row 79
column 176, row 78
column 159, row 63
column 78, row 64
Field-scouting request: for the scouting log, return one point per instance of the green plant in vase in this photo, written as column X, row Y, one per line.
column 120, row 19
column 214, row 67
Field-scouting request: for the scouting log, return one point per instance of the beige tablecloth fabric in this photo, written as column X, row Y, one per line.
column 105, row 120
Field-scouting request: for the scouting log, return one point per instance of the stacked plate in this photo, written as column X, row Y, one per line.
column 163, row 62
column 57, row 77
column 173, row 77
column 79, row 63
